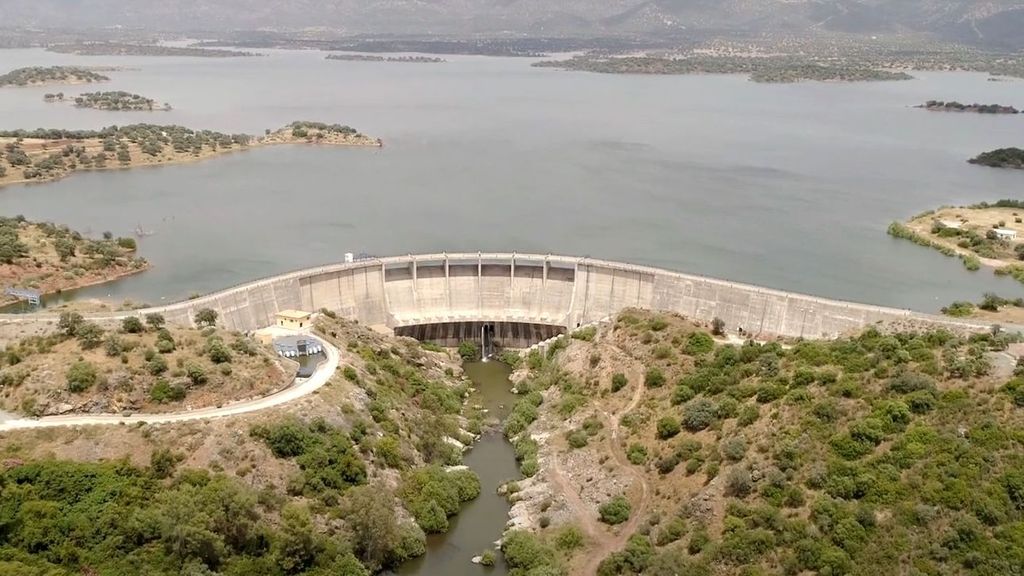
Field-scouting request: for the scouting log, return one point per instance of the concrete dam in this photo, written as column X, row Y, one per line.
column 526, row 298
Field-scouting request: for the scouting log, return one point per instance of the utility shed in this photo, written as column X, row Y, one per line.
column 293, row 319
column 1006, row 234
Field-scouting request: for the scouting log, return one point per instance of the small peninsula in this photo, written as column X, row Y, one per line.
column 940, row 106
column 118, row 101
column 126, row 49
column 1001, row 158
column 375, row 58
column 49, row 258
column 768, row 69
column 43, row 76
column 50, row 154
column 985, row 234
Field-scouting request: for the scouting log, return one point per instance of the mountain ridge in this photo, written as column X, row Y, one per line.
column 994, row 23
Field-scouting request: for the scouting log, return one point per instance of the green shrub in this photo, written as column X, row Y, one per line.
column 132, row 325
column 155, row 321
column 698, row 343
column 658, row 324
column 614, row 511
column 218, row 352
column 682, row 394
column 734, row 449
column 636, row 454
column 959, row 309
column 569, row 538
column 432, row 494
column 81, row 376
column 163, row 391
column 738, row 482
column 668, row 427
column 748, row 415
column 667, row 464
column 487, row 558
column 165, row 346
column 699, row 414
column 671, row 532
column 195, row 373
column 205, row 317
column 525, row 554
column 469, row 351
column 618, row 381
column 585, row 334
column 157, row 365
column 654, row 378
column 576, row 438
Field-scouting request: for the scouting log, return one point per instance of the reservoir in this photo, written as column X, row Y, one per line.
column 786, row 186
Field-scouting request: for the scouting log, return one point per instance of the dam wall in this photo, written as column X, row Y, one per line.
column 533, row 289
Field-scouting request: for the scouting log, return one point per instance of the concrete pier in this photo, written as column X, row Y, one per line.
column 532, row 289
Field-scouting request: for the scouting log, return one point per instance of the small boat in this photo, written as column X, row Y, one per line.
column 142, row 232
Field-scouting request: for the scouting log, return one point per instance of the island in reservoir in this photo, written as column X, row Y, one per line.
column 51, row 154
column 117, row 101
column 940, row 106
column 1001, row 158
column 375, row 58
column 44, row 76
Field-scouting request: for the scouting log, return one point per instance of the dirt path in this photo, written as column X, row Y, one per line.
column 297, row 390
column 606, row 543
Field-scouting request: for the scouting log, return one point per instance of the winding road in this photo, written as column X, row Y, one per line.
column 299, row 388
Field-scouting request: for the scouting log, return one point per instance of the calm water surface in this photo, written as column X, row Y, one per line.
column 787, row 186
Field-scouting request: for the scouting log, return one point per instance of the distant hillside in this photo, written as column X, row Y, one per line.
column 996, row 23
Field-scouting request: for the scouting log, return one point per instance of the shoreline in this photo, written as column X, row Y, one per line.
column 7, row 300
column 263, row 142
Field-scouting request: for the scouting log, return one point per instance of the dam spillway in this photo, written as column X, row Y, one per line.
column 510, row 289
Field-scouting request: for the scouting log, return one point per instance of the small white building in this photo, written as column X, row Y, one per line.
column 1005, row 234
column 954, row 224
column 293, row 319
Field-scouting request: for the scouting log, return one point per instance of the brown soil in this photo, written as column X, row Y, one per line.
column 126, row 382
column 585, row 478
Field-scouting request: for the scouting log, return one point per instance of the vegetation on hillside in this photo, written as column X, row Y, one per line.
column 62, row 518
column 1001, row 158
column 38, row 75
column 869, row 453
column 140, row 364
column 49, row 258
column 353, row 474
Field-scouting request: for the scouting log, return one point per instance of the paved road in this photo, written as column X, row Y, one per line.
column 298, row 389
